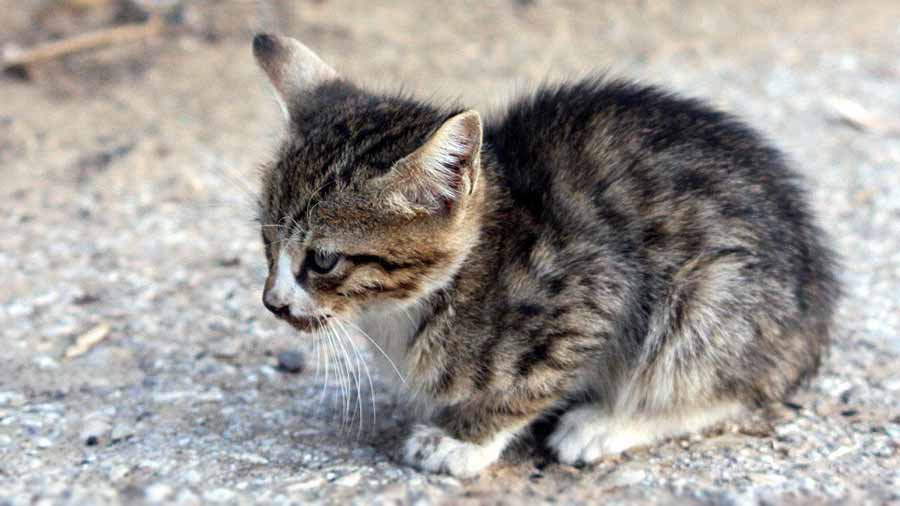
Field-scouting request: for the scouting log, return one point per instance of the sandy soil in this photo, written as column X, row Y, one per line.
column 127, row 181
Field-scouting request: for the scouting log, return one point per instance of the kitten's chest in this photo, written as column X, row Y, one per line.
column 389, row 334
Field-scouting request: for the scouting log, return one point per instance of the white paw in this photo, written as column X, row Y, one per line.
column 431, row 449
column 584, row 435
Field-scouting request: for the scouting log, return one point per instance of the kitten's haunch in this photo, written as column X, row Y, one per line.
column 636, row 257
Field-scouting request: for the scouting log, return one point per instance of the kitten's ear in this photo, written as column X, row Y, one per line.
column 291, row 66
column 443, row 171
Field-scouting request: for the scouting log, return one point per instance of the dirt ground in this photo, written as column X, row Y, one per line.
column 127, row 181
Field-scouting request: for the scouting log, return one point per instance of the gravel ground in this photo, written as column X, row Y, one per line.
column 126, row 181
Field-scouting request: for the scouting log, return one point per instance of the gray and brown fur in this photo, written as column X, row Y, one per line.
column 604, row 243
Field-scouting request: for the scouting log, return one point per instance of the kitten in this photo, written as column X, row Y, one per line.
column 638, row 258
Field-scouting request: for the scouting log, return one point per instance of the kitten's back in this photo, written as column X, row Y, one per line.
column 700, row 212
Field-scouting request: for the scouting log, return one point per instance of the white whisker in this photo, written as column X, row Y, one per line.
column 362, row 361
column 344, row 377
column 325, row 349
column 385, row 355
column 343, row 337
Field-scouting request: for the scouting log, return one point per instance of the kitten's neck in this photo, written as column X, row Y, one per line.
column 401, row 333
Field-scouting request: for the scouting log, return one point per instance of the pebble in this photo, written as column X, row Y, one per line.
column 121, row 432
column 43, row 442
column 892, row 384
column 348, row 480
column 158, row 492
column 219, row 495
column 306, row 485
column 14, row 399
column 187, row 498
column 290, row 362
column 625, row 478
column 119, row 472
column 766, row 479
column 45, row 362
column 213, row 395
column 252, row 458
column 94, row 430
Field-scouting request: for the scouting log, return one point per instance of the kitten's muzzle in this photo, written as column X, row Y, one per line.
column 301, row 323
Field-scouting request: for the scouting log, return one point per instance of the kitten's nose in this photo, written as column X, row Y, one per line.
column 281, row 311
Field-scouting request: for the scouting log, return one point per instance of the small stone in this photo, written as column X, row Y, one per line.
column 219, row 495
column 290, row 361
column 306, row 485
column 121, row 432
column 766, row 479
column 158, row 492
column 192, row 476
column 892, row 384
column 449, row 481
column 187, row 498
column 94, row 429
column 14, row 399
column 119, row 472
column 45, row 362
column 86, row 298
column 43, row 442
column 348, row 480
column 230, row 261
column 625, row 478
column 252, row 458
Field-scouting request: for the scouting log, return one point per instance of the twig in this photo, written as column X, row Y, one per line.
column 857, row 116
column 88, row 340
column 105, row 37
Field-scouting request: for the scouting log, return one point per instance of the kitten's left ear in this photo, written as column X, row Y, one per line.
column 292, row 67
column 443, row 171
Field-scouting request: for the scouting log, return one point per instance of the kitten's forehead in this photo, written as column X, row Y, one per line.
column 340, row 138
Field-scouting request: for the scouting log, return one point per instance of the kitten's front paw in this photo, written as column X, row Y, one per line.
column 579, row 436
column 431, row 449
column 585, row 434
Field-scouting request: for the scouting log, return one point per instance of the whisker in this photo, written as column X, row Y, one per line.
column 360, row 359
column 332, row 361
column 355, row 376
column 327, row 369
column 409, row 317
column 385, row 355
column 344, row 376
column 316, row 347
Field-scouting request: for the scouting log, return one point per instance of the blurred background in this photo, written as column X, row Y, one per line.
column 136, row 361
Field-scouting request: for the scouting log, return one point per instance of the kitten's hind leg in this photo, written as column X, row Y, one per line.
column 588, row 432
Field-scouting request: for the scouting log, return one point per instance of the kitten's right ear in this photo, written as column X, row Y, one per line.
column 292, row 67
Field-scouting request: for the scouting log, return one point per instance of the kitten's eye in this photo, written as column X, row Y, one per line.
column 322, row 262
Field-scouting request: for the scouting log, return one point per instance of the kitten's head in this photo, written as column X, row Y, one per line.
column 371, row 201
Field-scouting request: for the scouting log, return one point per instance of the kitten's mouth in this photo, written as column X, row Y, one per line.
column 306, row 323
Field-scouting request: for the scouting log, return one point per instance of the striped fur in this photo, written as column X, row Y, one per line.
column 600, row 243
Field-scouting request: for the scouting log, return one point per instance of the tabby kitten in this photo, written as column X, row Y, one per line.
column 638, row 258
